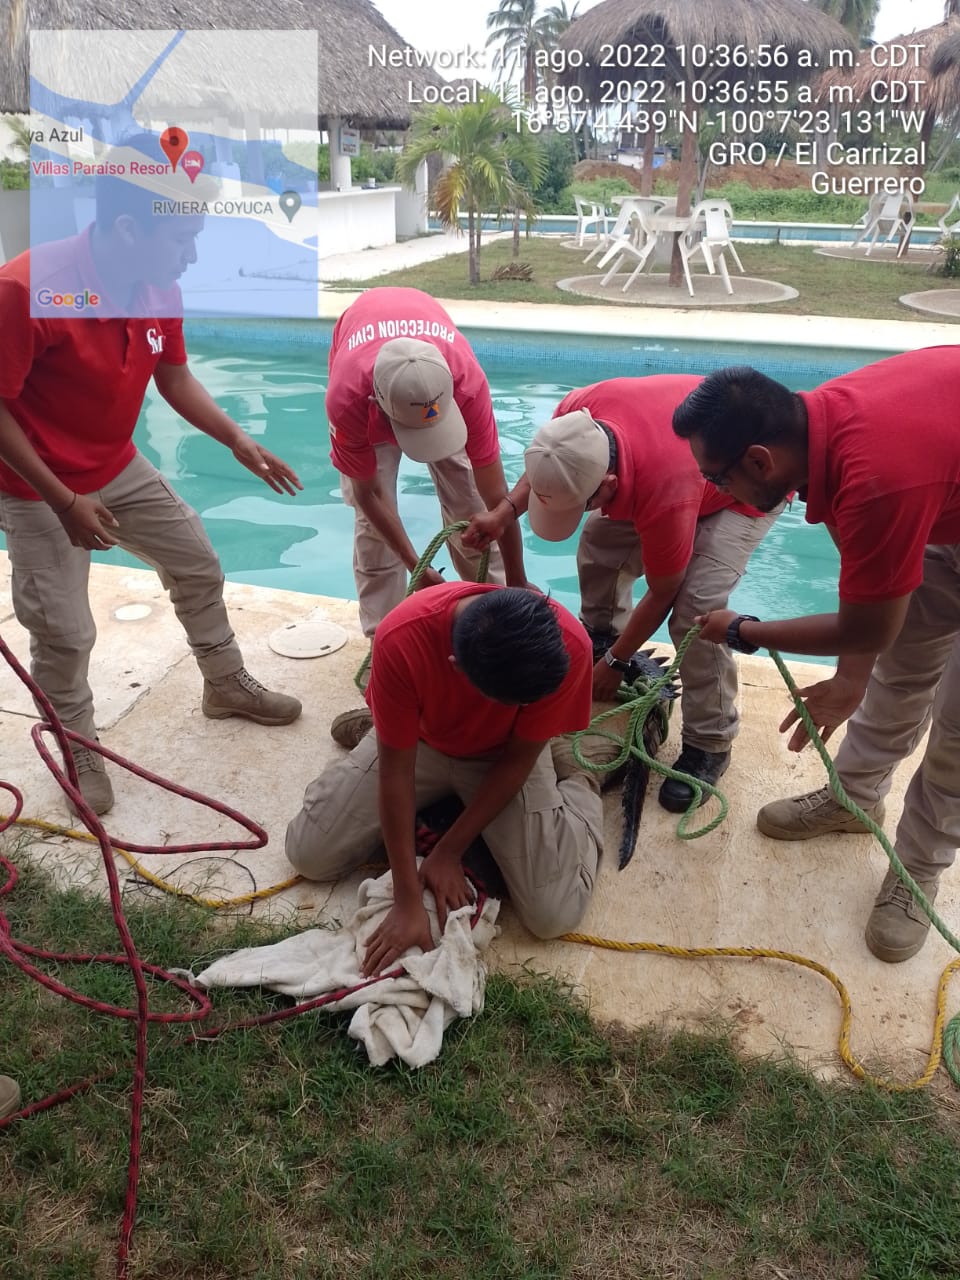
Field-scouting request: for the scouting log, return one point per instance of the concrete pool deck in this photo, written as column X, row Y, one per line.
column 732, row 887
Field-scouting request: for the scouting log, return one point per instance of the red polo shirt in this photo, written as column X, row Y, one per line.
column 357, row 422
column 884, row 468
column 75, row 385
column 417, row 694
column 660, row 490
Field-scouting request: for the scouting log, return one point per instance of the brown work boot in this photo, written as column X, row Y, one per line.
column 349, row 728
column 241, row 695
column 816, row 813
column 9, row 1096
column 897, row 927
column 93, row 778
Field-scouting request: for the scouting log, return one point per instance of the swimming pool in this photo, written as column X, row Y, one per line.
column 271, row 378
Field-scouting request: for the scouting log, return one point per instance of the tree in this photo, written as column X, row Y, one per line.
column 856, row 16
column 522, row 35
column 479, row 142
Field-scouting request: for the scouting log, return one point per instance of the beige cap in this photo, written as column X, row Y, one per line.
column 414, row 388
column 565, row 464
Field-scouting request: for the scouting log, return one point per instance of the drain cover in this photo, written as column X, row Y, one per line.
column 307, row 639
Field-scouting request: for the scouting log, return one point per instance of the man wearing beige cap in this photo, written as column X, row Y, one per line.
column 403, row 380
column 611, row 450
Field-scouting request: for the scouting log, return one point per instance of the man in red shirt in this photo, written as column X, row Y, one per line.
column 71, row 480
column 469, row 683
column 610, row 450
column 403, row 380
column 875, row 454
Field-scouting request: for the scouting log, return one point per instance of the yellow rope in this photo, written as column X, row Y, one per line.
column 846, row 1020
column 945, row 1044
column 157, row 881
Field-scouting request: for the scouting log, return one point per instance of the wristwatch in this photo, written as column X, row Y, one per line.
column 612, row 660
column 734, row 640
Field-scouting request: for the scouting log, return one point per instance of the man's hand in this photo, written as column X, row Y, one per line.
column 430, row 578
column 606, row 681
column 713, row 625
column 829, row 703
column 88, row 523
column 402, row 928
column 485, row 528
column 267, row 466
column 442, row 874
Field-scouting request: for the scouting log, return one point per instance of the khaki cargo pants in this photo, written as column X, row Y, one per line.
column 915, row 683
column 546, row 841
column 49, row 584
column 380, row 574
column 609, row 561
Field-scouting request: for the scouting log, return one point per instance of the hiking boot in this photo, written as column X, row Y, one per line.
column 706, row 766
column 897, row 927
column 93, row 779
column 9, row 1096
column 241, row 695
column 816, row 813
column 349, row 728
column 601, row 640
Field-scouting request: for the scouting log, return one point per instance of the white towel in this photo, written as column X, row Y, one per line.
column 401, row 1017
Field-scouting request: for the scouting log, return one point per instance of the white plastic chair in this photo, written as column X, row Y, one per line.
column 950, row 229
column 610, row 243
column 888, row 217
column 590, row 214
column 638, row 245
column 709, row 234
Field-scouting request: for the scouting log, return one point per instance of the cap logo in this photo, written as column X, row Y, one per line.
column 430, row 409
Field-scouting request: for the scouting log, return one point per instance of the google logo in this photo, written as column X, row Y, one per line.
column 47, row 298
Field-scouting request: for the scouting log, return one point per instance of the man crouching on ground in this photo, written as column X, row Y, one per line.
column 469, row 683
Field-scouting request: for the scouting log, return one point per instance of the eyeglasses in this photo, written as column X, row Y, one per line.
column 719, row 478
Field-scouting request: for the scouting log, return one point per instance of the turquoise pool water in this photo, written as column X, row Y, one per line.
column 272, row 379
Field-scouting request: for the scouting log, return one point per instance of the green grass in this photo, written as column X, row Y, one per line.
column 827, row 286
column 539, row 1146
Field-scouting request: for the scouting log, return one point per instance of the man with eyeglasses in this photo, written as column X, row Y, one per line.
column 610, row 450
column 875, row 454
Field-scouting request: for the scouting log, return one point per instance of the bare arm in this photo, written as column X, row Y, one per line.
column 191, row 400
column 649, row 613
column 492, row 486
column 383, row 516
column 442, row 870
column 489, row 526
column 86, row 520
column 856, row 633
column 406, row 924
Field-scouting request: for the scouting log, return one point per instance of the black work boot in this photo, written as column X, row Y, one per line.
column 601, row 640
column 706, row 766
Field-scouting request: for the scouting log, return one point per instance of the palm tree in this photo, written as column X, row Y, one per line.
column 856, row 16
column 522, row 35
column 480, row 141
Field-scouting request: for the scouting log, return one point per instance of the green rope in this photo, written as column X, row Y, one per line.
column 641, row 706
column 632, row 744
column 419, row 569
column 951, row 1032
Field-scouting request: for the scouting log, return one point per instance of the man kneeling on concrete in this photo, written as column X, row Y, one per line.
column 469, row 683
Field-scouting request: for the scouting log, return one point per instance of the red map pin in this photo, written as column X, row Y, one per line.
column 174, row 143
column 192, row 165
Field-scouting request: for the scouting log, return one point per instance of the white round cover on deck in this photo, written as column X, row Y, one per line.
column 307, row 639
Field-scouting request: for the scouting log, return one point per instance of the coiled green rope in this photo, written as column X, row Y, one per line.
column 631, row 743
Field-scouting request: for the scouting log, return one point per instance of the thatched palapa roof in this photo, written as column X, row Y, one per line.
column 939, row 94
column 793, row 24
column 348, row 86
